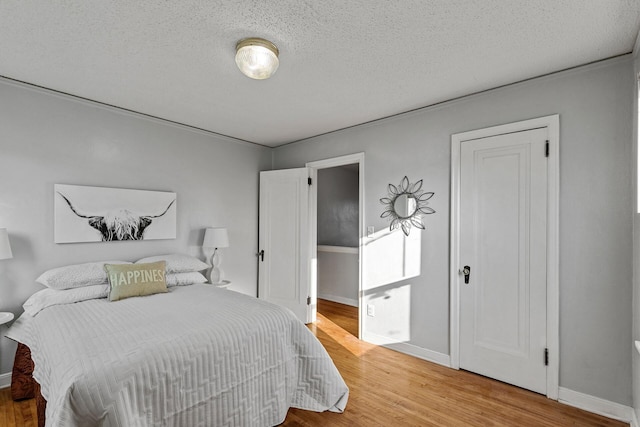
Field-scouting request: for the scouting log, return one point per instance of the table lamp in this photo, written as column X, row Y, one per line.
column 215, row 238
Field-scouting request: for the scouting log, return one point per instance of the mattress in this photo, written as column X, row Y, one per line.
column 196, row 356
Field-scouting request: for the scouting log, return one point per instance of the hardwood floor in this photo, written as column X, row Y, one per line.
column 17, row 414
column 388, row 388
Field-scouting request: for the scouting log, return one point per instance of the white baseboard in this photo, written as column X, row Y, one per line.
column 410, row 349
column 634, row 419
column 596, row 405
column 5, row 380
column 341, row 300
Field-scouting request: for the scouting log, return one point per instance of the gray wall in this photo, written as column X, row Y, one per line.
column 595, row 107
column 636, row 248
column 338, row 194
column 338, row 276
column 47, row 139
column 338, row 206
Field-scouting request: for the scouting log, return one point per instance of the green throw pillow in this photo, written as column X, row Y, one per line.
column 133, row 280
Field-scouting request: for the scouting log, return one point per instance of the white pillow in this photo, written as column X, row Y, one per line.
column 48, row 297
column 177, row 263
column 77, row 275
column 183, row 279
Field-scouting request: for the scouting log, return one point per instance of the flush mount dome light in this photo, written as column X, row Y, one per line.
column 257, row 58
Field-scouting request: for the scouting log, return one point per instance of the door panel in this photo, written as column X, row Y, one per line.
column 503, row 233
column 283, row 273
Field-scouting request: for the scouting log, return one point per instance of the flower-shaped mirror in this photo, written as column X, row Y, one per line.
column 405, row 204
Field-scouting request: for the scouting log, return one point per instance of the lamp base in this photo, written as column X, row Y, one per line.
column 216, row 274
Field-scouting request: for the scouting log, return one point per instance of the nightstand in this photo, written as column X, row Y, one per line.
column 222, row 285
column 5, row 317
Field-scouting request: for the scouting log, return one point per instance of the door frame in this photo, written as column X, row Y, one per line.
column 313, row 221
column 552, row 123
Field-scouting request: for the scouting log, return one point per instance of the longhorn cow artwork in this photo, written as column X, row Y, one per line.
column 93, row 214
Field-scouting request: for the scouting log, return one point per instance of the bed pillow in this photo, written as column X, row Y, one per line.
column 134, row 280
column 76, row 275
column 178, row 263
column 49, row 297
column 183, row 279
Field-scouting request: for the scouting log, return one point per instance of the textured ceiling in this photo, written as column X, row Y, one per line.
column 341, row 62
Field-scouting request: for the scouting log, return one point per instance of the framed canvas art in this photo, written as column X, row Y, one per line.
column 100, row 214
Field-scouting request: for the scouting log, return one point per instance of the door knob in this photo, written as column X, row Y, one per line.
column 466, row 270
column 261, row 255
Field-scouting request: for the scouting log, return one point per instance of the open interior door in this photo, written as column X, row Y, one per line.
column 284, row 257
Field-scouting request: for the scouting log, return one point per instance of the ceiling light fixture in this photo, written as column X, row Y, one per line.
column 257, row 58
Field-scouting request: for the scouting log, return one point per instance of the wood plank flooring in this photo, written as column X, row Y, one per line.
column 17, row 414
column 388, row 388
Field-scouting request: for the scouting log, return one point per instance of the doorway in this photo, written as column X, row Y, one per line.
column 504, row 253
column 337, row 244
column 337, row 203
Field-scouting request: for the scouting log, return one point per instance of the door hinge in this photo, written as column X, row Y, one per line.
column 546, row 357
column 308, row 300
column 546, row 149
column 309, row 180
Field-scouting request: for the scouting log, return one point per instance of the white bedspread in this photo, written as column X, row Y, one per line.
column 196, row 356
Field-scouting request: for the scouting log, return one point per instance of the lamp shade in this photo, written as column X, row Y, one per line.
column 5, row 247
column 257, row 58
column 215, row 238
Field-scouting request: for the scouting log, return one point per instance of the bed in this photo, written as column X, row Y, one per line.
column 193, row 356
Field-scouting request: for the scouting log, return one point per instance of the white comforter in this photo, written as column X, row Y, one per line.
column 196, row 356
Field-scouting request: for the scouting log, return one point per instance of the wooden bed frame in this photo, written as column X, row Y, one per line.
column 23, row 385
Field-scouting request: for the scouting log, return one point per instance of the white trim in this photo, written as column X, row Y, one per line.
column 313, row 197
column 454, row 257
column 552, row 123
column 553, row 257
column 596, row 405
column 410, row 349
column 634, row 419
column 5, row 380
column 338, row 249
column 342, row 300
column 312, row 313
column 636, row 46
column 337, row 161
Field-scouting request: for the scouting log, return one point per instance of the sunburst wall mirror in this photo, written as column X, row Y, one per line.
column 405, row 204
